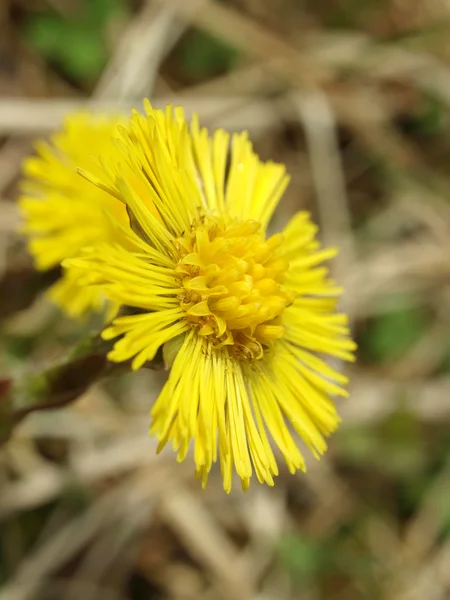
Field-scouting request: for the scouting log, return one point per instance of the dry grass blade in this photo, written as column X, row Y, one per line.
column 69, row 540
column 186, row 514
column 121, row 456
column 43, row 116
column 320, row 126
column 132, row 70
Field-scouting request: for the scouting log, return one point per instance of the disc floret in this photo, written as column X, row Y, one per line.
column 232, row 284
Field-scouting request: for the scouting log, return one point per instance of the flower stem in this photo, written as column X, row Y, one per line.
column 58, row 385
column 19, row 288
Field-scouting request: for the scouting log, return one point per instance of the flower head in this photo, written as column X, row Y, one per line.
column 62, row 212
column 248, row 318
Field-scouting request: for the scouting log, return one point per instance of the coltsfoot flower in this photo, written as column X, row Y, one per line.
column 247, row 319
column 62, row 212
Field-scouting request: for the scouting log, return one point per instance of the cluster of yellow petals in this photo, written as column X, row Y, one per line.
column 232, row 282
column 63, row 213
column 248, row 320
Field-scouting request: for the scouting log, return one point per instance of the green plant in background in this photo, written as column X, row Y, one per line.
column 333, row 558
column 430, row 117
column 349, row 13
column 394, row 447
column 203, row 56
column 76, row 43
column 301, row 557
column 400, row 444
column 391, row 334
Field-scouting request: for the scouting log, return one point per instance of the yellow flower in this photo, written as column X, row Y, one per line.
column 247, row 318
column 64, row 213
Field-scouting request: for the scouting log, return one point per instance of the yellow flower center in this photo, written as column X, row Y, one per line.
column 232, row 280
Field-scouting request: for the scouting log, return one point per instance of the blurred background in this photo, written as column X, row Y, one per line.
column 354, row 96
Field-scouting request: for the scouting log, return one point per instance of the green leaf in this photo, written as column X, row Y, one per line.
column 76, row 45
column 401, row 427
column 83, row 54
column 358, row 444
column 351, row 12
column 45, row 33
column 411, row 492
column 393, row 333
column 300, row 556
column 430, row 117
column 101, row 11
column 401, row 448
column 205, row 55
column 19, row 347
